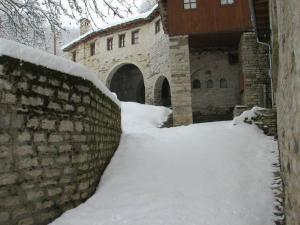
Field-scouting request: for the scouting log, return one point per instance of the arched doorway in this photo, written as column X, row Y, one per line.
column 128, row 83
column 162, row 92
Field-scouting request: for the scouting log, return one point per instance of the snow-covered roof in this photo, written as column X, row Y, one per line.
column 57, row 63
column 120, row 23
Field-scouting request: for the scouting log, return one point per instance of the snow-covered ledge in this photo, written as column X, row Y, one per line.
column 59, row 128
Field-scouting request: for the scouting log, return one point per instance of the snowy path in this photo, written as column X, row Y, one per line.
column 206, row 174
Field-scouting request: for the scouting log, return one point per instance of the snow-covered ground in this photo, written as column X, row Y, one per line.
column 203, row 174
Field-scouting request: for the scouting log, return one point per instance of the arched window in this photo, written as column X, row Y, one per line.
column 210, row 84
column 196, row 84
column 223, row 83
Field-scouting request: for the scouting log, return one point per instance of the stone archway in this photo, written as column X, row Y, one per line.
column 128, row 83
column 162, row 92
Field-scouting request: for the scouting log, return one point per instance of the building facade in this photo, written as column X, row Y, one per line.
column 178, row 56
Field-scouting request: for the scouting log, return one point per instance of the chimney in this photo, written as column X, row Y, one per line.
column 85, row 26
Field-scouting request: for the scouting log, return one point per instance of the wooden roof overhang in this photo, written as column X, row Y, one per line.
column 261, row 19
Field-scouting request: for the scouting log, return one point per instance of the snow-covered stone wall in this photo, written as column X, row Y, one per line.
column 57, row 134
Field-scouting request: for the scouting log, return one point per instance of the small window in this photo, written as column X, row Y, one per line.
column 135, row 37
column 92, row 49
column 210, row 84
column 233, row 58
column 223, row 83
column 189, row 4
column 109, row 44
column 157, row 26
column 196, row 84
column 227, row 2
column 121, row 40
column 74, row 56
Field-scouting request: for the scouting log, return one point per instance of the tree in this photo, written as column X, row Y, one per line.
column 27, row 19
column 146, row 5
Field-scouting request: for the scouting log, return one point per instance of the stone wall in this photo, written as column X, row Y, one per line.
column 57, row 134
column 217, row 102
column 288, row 103
column 181, row 80
column 256, row 84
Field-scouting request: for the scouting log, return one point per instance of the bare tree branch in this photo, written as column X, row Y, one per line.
column 28, row 18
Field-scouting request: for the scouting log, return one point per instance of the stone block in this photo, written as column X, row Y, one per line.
column 24, row 150
column 27, row 163
column 47, row 161
column 5, row 85
column 54, row 138
column 5, row 121
column 54, row 191
column 22, row 85
column 39, row 137
column 24, row 137
column 43, row 90
column 66, row 125
column 33, row 123
column 8, row 179
column 34, row 195
column 4, row 217
column 69, row 107
column 78, row 126
column 48, row 124
column 32, row 101
column 75, row 98
column 26, row 221
column 17, row 122
column 4, row 151
column 9, row 98
column 63, row 95
column 4, row 138
column 54, row 106
column 65, row 148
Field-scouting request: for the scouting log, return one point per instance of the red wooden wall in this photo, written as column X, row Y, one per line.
column 209, row 17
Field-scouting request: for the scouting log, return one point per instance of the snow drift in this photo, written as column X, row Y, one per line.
column 211, row 173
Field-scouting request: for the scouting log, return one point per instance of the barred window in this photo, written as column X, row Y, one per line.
column 210, row 84
column 196, row 84
column 121, row 40
column 223, row 83
column 157, row 26
column 135, row 37
column 227, row 2
column 92, row 49
column 109, row 44
column 189, row 4
column 74, row 56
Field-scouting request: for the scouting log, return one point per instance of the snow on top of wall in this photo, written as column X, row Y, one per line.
column 247, row 115
column 57, row 63
column 133, row 18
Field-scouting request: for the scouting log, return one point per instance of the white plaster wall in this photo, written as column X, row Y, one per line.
column 150, row 55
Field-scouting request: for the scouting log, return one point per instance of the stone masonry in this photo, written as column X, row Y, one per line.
column 255, row 81
column 57, row 134
column 288, row 102
column 181, row 80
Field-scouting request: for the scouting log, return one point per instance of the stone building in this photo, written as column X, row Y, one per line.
column 202, row 68
column 277, row 24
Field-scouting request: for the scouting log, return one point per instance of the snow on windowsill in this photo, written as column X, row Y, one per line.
column 57, row 63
